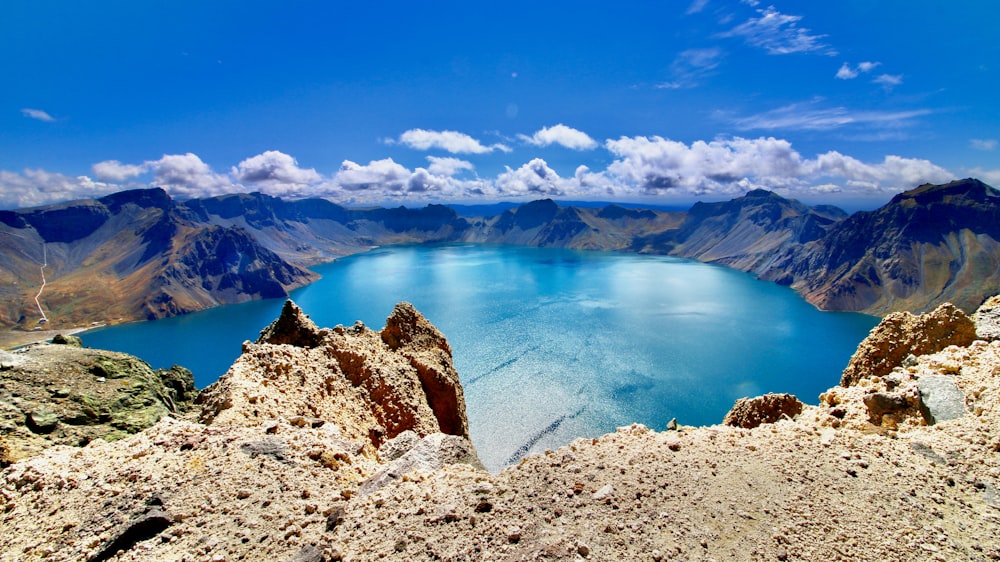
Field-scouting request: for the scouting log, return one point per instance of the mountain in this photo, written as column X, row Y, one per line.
column 928, row 245
column 140, row 254
column 744, row 233
column 545, row 223
column 131, row 255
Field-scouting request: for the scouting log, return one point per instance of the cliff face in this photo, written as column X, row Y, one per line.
column 132, row 255
column 900, row 464
column 932, row 244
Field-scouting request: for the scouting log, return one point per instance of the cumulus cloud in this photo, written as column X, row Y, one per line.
column 38, row 114
column 450, row 141
column 779, row 34
column 562, row 135
column 275, row 171
column 534, row 178
column 115, row 171
column 32, row 188
column 381, row 175
column 847, row 72
column 656, row 165
column 185, row 175
column 446, row 166
column 983, row 144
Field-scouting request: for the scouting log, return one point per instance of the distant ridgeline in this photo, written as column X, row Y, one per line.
column 141, row 255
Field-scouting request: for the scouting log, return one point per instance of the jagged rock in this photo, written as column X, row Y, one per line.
column 372, row 386
column 749, row 413
column 398, row 446
column 430, row 453
column 987, row 319
column 142, row 528
column 293, row 327
column 901, row 334
column 67, row 395
column 940, row 398
column 410, row 334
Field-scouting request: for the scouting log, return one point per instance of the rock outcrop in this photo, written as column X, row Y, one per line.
column 53, row 394
column 902, row 334
column 372, row 385
column 749, row 413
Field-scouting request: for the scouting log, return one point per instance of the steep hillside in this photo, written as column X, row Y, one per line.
column 928, row 245
column 745, row 233
column 545, row 223
column 129, row 256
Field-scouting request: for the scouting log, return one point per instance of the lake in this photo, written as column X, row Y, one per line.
column 552, row 344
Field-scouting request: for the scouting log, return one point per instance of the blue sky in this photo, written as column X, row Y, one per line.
column 664, row 102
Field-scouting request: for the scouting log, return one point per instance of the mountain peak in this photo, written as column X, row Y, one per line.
column 969, row 188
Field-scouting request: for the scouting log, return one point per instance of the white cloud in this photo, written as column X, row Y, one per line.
column 888, row 81
column 983, row 144
column 992, row 177
column 38, row 114
column 276, row 172
column 692, row 66
column 535, row 178
column 808, row 116
column 730, row 167
column 696, row 6
column 446, row 166
column 381, row 175
column 32, row 188
column 562, row 135
column 655, row 164
column 450, row 141
column 779, row 34
column 847, row 72
column 115, row 171
column 185, row 175
column 893, row 173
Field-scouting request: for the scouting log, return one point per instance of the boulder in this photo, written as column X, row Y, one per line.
column 940, row 398
column 901, row 334
column 987, row 319
column 429, row 453
column 749, row 413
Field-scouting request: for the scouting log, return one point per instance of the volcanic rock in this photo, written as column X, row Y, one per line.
column 372, row 386
column 67, row 395
column 901, row 334
column 749, row 413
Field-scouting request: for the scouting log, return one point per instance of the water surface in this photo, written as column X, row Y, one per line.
column 553, row 344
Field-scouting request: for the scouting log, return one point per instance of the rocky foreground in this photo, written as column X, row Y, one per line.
column 351, row 444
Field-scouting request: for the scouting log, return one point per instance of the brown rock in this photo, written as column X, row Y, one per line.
column 749, row 413
column 293, row 327
column 901, row 334
column 372, row 386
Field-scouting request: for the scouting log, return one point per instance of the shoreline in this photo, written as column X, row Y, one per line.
column 12, row 339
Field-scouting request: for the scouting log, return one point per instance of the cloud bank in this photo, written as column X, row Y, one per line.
column 640, row 166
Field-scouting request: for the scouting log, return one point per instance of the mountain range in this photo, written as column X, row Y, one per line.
column 140, row 254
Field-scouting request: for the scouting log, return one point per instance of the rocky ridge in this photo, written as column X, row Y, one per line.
column 295, row 475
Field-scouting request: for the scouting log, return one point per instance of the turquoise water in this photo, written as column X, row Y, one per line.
column 553, row 344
